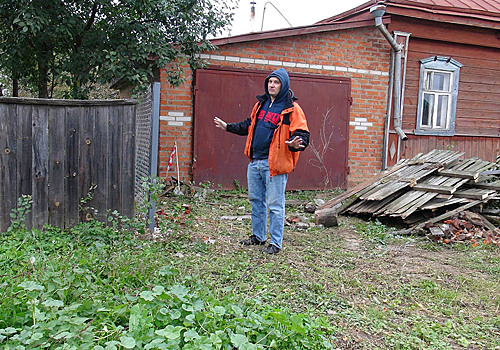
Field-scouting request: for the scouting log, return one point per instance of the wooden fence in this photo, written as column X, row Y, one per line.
column 56, row 150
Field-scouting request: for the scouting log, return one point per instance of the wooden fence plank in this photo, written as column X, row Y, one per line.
column 25, row 154
column 101, row 149
column 8, row 154
column 438, row 203
column 492, row 186
column 435, row 189
column 460, row 173
column 72, row 138
column 4, row 209
column 87, row 162
column 40, row 166
column 115, row 131
column 473, row 193
column 57, row 166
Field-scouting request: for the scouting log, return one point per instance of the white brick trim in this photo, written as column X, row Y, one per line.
column 175, row 118
column 247, row 60
column 232, row 59
column 305, row 65
column 175, row 114
column 275, row 63
column 360, row 124
column 168, row 119
column 175, row 124
column 217, row 57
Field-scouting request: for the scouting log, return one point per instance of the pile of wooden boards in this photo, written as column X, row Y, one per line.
column 425, row 189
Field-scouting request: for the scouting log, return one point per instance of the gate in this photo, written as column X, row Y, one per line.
column 230, row 94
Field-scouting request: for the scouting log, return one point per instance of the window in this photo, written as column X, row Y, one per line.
column 437, row 100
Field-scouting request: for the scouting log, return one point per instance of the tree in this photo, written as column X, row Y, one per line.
column 77, row 43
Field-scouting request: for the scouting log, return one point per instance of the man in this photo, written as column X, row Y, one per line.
column 277, row 130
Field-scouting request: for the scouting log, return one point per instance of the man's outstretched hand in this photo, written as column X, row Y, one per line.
column 296, row 143
column 219, row 123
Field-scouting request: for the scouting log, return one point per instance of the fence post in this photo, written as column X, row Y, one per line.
column 155, row 128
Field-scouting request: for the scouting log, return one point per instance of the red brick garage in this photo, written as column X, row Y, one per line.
column 353, row 54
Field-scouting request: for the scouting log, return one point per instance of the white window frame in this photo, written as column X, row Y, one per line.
column 429, row 68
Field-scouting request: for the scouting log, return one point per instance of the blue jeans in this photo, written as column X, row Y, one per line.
column 266, row 193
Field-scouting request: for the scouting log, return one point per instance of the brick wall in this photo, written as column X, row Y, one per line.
column 360, row 54
column 176, row 126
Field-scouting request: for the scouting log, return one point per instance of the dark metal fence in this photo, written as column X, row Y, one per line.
column 58, row 150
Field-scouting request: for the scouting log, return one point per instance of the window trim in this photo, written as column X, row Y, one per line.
column 443, row 64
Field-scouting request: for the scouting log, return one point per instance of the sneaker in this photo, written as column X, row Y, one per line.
column 271, row 249
column 252, row 240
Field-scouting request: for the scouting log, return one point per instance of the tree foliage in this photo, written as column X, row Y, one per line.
column 77, row 43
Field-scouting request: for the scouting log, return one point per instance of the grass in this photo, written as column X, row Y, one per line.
column 356, row 286
column 379, row 290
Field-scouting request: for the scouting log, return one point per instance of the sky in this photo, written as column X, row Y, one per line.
column 297, row 12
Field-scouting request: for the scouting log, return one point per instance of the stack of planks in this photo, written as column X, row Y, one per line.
column 417, row 189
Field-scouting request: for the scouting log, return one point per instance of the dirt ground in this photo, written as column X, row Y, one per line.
column 371, row 287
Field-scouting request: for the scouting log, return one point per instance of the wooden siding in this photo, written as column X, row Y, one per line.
column 485, row 148
column 478, row 104
column 477, row 123
column 55, row 150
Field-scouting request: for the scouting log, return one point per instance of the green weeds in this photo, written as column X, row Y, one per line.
column 97, row 286
column 375, row 231
column 18, row 215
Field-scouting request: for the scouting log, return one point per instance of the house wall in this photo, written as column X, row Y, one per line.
column 361, row 54
column 176, row 127
column 477, row 123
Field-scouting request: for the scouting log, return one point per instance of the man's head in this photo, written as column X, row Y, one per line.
column 277, row 84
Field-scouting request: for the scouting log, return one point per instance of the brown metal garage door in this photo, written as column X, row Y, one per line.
column 230, row 94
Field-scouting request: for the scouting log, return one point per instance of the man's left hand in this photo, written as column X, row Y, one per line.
column 296, row 143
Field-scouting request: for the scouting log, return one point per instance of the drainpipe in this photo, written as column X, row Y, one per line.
column 377, row 12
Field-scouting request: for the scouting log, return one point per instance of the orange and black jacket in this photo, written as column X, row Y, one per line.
column 282, row 158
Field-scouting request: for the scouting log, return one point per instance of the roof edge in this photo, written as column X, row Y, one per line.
column 282, row 33
column 344, row 15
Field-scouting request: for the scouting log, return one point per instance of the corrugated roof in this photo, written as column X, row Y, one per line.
column 476, row 5
column 472, row 12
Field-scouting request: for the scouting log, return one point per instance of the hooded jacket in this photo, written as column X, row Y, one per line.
column 292, row 122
